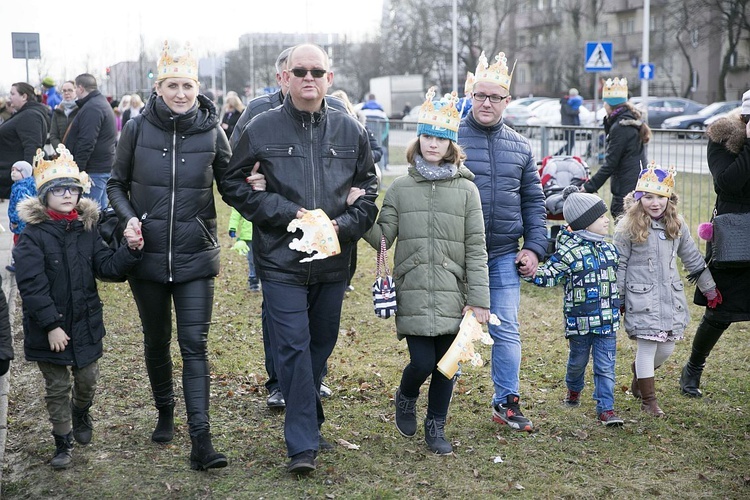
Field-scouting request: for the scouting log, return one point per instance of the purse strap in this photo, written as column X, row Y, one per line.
column 382, row 260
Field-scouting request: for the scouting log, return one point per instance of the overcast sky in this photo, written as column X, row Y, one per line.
column 88, row 36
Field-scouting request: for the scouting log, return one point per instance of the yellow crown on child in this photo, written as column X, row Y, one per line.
column 62, row 167
column 183, row 66
column 441, row 114
column 615, row 88
column 654, row 179
column 496, row 72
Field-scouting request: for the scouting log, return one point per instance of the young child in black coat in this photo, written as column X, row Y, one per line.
column 58, row 258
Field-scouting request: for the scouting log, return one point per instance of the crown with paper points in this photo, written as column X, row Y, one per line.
column 496, row 72
column 616, row 88
column 654, row 179
column 62, row 167
column 439, row 118
column 183, row 66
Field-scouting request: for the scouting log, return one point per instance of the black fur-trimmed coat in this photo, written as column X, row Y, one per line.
column 729, row 161
column 57, row 263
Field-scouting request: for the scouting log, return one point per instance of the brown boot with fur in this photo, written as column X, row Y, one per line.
column 648, row 397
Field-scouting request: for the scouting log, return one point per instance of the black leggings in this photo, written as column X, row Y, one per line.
column 193, row 302
column 425, row 352
column 706, row 336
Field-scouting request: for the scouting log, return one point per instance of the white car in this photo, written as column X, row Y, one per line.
column 519, row 110
column 547, row 114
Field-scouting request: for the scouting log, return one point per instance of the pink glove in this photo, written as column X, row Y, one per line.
column 714, row 297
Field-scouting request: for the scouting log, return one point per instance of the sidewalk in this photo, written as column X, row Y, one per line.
column 9, row 287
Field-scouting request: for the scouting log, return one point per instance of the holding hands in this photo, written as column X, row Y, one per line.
column 133, row 234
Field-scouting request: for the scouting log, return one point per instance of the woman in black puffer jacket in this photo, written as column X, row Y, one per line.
column 625, row 154
column 166, row 163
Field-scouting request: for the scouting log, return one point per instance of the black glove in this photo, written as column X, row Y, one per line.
column 4, row 366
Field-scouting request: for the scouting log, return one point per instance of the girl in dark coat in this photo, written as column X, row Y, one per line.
column 625, row 153
column 58, row 257
column 729, row 161
column 163, row 180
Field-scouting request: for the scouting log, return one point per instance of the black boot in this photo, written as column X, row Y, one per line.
column 63, row 451
column 690, row 380
column 706, row 336
column 82, row 424
column 203, row 456
column 164, row 431
column 406, row 414
column 434, row 436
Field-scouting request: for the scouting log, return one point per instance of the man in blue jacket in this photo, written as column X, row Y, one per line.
column 513, row 205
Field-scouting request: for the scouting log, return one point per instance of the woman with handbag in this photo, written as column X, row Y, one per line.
column 729, row 161
column 168, row 158
column 440, row 265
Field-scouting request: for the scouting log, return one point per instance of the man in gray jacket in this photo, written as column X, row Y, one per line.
column 513, row 206
column 311, row 157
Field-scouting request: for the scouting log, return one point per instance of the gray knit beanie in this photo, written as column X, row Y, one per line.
column 581, row 209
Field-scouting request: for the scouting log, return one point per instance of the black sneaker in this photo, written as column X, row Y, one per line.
column 510, row 414
column 302, row 463
column 406, row 414
column 323, row 443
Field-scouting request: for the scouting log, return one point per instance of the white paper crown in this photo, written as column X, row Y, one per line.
column 62, row 167
column 496, row 72
column 183, row 66
column 654, row 179
column 617, row 88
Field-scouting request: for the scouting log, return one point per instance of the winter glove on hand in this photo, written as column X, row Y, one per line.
column 241, row 247
column 232, row 233
column 714, row 297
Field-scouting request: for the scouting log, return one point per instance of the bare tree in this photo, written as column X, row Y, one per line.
column 731, row 19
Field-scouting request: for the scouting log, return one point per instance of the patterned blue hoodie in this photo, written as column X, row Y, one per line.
column 23, row 188
column 588, row 270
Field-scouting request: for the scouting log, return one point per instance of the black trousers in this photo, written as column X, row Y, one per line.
column 425, row 352
column 193, row 305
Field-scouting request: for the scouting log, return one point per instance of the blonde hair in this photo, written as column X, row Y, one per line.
column 235, row 102
column 454, row 155
column 635, row 222
column 136, row 101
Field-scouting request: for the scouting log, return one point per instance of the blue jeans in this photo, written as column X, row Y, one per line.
column 505, row 298
column 99, row 189
column 603, row 348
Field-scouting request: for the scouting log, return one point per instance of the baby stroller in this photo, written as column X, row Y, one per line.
column 557, row 173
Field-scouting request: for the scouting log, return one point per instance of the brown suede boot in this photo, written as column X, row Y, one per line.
column 634, row 389
column 648, row 397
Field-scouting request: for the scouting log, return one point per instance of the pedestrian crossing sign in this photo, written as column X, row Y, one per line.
column 598, row 56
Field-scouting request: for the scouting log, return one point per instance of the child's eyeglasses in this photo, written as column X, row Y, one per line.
column 60, row 191
column 302, row 72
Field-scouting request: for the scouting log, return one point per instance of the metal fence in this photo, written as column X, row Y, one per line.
column 667, row 147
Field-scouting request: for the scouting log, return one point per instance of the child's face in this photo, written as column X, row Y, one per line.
column 15, row 175
column 62, row 200
column 600, row 225
column 433, row 148
column 653, row 204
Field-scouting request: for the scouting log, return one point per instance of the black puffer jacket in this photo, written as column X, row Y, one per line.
column 164, row 174
column 729, row 161
column 93, row 133
column 20, row 136
column 56, row 266
column 625, row 156
column 310, row 161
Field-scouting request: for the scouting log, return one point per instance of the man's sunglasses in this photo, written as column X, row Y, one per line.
column 302, row 72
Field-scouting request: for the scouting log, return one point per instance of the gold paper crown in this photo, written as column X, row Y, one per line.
column 62, row 167
column 617, row 88
column 184, row 66
column 444, row 115
column 654, row 179
column 497, row 72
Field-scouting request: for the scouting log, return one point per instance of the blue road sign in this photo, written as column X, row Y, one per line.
column 598, row 56
column 646, row 71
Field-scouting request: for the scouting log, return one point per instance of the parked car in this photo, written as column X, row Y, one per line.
column 718, row 116
column 696, row 122
column 547, row 114
column 661, row 108
column 412, row 115
column 519, row 110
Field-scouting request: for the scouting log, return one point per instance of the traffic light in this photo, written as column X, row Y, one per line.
column 108, row 70
column 150, row 75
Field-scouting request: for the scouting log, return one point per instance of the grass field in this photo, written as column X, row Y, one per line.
column 701, row 450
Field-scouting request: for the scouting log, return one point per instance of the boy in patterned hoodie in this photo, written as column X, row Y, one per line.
column 586, row 264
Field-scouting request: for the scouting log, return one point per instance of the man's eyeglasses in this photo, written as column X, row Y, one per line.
column 302, row 72
column 60, row 191
column 494, row 99
column 68, row 90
